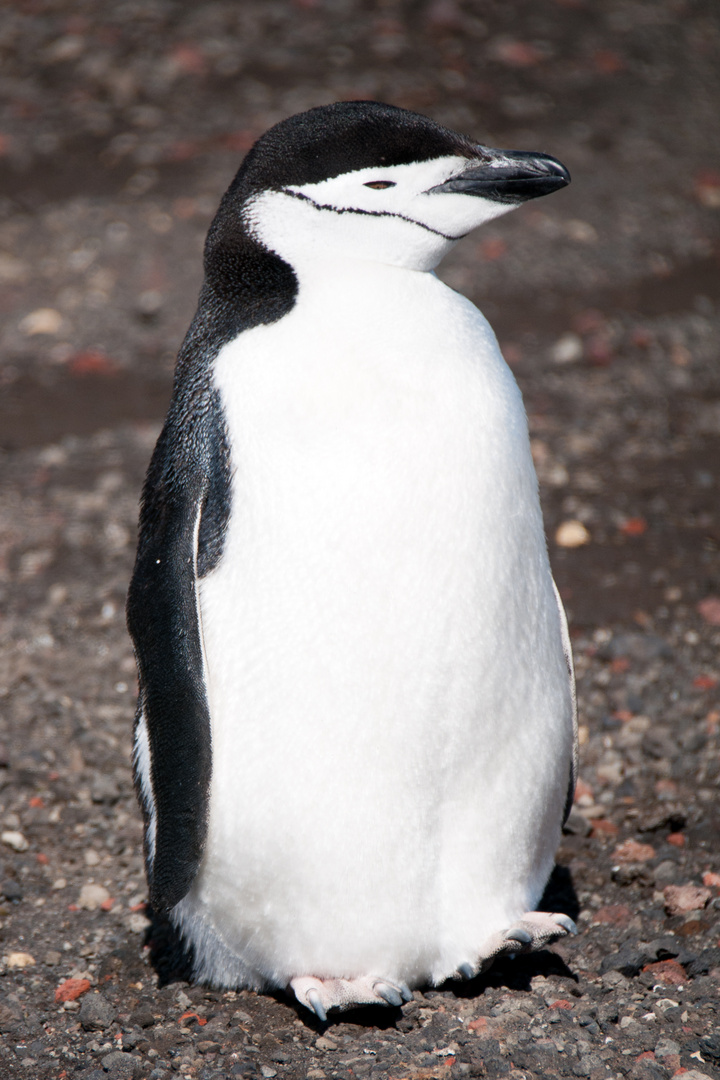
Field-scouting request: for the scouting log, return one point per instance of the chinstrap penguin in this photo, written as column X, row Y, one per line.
column 355, row 737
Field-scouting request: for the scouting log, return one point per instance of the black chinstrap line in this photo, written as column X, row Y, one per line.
column 368, row 213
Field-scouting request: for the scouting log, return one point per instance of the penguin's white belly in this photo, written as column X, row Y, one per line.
column 390, row 707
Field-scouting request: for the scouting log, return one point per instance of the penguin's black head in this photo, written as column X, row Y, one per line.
column 345, row 137
column 360, row 179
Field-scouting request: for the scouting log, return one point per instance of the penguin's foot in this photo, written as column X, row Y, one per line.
column 321, row 995
column 533, row 931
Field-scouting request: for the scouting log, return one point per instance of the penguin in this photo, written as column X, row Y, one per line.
column 355, row 742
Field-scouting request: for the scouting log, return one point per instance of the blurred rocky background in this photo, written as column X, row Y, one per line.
column 120, row 127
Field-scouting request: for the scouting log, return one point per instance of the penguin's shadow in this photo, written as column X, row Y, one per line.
column 172, row 960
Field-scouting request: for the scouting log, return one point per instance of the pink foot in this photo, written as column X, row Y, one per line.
column 321, row 995
column 533, row 931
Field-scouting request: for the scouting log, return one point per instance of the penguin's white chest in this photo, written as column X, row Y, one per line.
column 383, row 650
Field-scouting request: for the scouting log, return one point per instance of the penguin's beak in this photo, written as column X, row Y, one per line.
column 510, row 176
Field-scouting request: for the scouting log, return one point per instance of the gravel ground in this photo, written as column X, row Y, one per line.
column 120, row 129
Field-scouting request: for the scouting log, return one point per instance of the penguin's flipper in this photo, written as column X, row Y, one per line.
column 534, row 931
column 321, row 995
column 567, row 649
column 182, row 519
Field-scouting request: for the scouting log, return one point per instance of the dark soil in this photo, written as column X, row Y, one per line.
column 121, row 126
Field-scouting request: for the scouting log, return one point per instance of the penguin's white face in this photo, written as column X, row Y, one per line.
column 397, row 214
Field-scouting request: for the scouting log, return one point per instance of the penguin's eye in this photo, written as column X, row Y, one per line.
column 380, row 185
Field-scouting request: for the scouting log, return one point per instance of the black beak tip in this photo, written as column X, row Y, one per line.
column 557, row 173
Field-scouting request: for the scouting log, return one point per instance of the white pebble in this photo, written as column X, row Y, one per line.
column 19, row 960
column 567, row 349
column 15, row 840
column 92, row 896
column 42, row 321
column 137, row 923
column 572, row 534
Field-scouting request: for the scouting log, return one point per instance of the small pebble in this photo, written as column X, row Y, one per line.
column 96, row 1014
column 323, row 1043
column 42, row 321
column 19, row 960
column 679, row 899
column 11, row 890
column 137, row 923
column 15, row 840
column 633, row 852
column 567, row 349
column 71, row 989
column 571, row 534
column 121, row 1066
column 93, row 896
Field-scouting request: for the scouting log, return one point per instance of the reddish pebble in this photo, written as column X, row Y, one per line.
column 711, row 879
column 36, row 802
column 561, row 1003
column 53, row 775
column 647, row 1055
column 634, row 526
column 139, row 907
column 633, row 852
column 480, row 1024
column 613, row 915
column 680, row 899
column 107, row 905
column 182, row 150
column 709, row 608
column 73, row 907
column 493, row 248
column 623, row 715
column 192, row 1016
column 607, row 62
column 92, row 362
column 189, row 59
column 677, row 839
column 71, row 989
column 598, row 350
column 517, row 53
column 707, row 188
column 641, row 338
column 603, row 827
column 619, row 664
column 702, row 682
column 42, row 859
column 667, row 972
